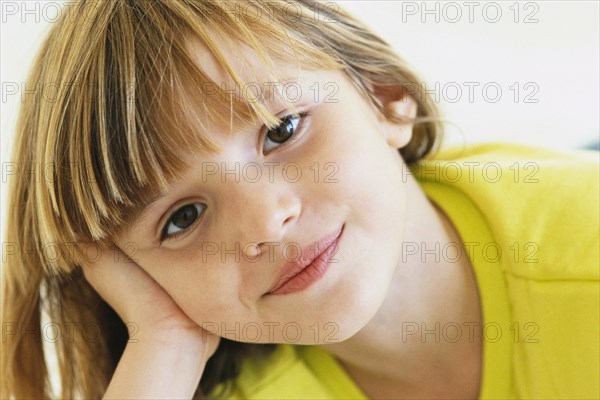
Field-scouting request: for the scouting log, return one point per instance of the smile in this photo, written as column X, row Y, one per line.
column 297, row 276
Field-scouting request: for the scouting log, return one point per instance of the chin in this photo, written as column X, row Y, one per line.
column 348, row 313
column 338, row 319
column 361, row 303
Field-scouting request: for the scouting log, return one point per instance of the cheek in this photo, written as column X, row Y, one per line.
column 360, row 184
column 371, row 191
column 370, row 175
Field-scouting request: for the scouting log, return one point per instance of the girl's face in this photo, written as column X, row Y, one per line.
column 240, row 216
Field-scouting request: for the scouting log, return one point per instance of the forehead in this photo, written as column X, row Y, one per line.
column 260, row 77
column 243, row 60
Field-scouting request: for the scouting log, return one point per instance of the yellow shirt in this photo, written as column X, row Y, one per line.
column 529, row 219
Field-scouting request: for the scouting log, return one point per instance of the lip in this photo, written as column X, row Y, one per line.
column 310, row 267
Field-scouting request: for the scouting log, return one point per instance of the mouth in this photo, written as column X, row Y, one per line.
column 310, row 267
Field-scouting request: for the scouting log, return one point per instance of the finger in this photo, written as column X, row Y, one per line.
column 110, row 264
column 114, row 276
column 96, row 270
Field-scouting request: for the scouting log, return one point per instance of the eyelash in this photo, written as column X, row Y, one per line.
column 299, row 128
column 165, row 237
column 173, row 236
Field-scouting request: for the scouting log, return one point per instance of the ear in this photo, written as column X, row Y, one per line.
column 397, row 135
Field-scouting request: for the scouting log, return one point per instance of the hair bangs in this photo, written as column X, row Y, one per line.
column 152, row 102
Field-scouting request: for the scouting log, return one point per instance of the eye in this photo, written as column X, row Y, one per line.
column 288, row 127
column 181, row 220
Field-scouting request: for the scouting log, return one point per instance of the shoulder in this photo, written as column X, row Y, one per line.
column 521, row 167
column 541, row 204
column 294, row 372
column 541, row 208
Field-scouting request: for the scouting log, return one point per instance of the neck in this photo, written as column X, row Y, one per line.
column 425, row 340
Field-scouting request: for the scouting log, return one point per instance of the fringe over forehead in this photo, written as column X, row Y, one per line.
column 125, row 108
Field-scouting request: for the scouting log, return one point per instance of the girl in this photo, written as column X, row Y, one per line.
column 246, row 200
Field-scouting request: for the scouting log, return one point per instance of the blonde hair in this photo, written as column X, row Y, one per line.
column 106, row 127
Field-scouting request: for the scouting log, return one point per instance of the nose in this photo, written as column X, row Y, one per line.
column 265, row 213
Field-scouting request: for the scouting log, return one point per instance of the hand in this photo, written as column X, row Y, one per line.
column 138, row 298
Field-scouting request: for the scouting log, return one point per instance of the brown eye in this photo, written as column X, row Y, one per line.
column 283, row 132
column 182, row 219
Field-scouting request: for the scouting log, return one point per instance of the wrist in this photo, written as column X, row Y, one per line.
column 188, row 338
column 159, row 364
column 167, row 335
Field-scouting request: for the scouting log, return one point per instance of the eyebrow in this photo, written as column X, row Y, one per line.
column 282, row 82
column 139, row 213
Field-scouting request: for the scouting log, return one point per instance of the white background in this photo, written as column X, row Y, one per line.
column 558, row 55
